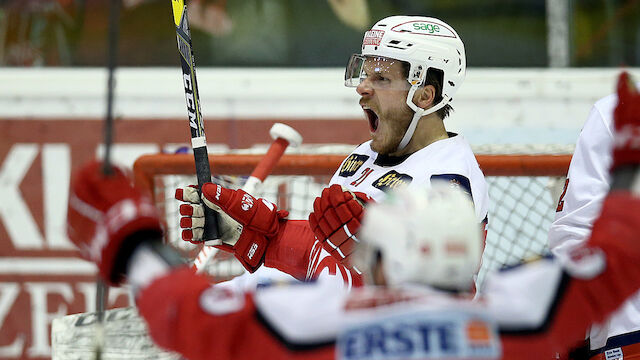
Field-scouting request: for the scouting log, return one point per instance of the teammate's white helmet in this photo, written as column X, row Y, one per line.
column 428, row 236
column 424, row 43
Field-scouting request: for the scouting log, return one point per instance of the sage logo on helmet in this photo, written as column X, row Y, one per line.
column 426, row 28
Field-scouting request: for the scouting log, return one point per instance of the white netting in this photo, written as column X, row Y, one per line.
column 520, row 212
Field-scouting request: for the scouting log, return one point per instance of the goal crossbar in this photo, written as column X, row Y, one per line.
column 148, row 166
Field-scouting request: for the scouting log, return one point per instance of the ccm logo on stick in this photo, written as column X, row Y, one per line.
column 191, row 104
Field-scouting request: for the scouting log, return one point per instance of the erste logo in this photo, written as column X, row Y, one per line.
column 433, row 334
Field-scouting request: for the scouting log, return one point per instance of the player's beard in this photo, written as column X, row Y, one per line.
column 391, row 128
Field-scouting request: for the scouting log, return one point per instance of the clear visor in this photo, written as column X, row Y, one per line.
column 380, row 72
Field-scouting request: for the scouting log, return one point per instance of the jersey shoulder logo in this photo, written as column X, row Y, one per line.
column 352, row 164
column 220, row 300
column 455, row 180
column 391, row 179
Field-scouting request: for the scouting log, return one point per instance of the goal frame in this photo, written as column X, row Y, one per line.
column 148, row 166
column 516, row 231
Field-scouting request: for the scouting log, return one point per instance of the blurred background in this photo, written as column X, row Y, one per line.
column 285, row 33
column 535, row 68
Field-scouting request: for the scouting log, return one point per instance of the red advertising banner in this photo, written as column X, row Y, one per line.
column 40, row 276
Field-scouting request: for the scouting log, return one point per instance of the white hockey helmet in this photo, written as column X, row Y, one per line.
column 423, row 42
column 428, row 236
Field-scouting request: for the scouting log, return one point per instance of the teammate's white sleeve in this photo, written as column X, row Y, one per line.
column 588, row 180
column 588, row 185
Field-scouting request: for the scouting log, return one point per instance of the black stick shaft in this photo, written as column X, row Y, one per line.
column 102, row 289
column 112, row 55
column 192, row 96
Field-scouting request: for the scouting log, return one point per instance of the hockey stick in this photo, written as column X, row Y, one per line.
column 283, row 136
column 128, row 337
column 192, row 96
column 102, row 289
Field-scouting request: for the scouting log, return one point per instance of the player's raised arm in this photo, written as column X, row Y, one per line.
column 116, row 226
column 597, row 277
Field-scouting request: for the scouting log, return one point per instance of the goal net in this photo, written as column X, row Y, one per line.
column 523, row 191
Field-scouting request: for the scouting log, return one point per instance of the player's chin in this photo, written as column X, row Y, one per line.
column 380, row 145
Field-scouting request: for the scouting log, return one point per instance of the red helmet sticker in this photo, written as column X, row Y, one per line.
column 373, row 37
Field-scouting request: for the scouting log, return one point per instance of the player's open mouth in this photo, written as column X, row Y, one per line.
column 372, row 117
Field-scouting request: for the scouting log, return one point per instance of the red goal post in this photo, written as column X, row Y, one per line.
column 522, row 204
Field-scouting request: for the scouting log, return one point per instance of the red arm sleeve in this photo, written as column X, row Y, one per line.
column 583, row 301
column 290, row 249
column 177, row 322
column 296, row 252
column 188, row 315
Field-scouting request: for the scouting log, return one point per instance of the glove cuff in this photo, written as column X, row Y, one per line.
column 122, row 220
column 250, row 250
column 251, row 247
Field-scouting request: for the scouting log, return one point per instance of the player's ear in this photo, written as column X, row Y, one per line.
column 425, row 96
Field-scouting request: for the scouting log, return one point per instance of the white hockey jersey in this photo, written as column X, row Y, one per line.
column 587, row 180
column 448, row 160
column 366, row 171
column 587, row 184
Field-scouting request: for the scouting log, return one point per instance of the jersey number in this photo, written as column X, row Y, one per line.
column 561, row 200
column 362, row 176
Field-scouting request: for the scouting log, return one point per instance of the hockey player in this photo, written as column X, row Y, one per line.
column 586, row 186
column 406, row 75
column 528, row 312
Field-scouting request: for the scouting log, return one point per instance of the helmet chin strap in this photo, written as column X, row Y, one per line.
column 418, row 113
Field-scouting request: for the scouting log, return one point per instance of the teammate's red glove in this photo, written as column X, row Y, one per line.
column 246, row 223
column 104, row 211
column 336, row 218
column 626, row 140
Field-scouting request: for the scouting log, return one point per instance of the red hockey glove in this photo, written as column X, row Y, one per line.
column 104, row 211
column 336, row 218
column 246, row 223
column 626, row 143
